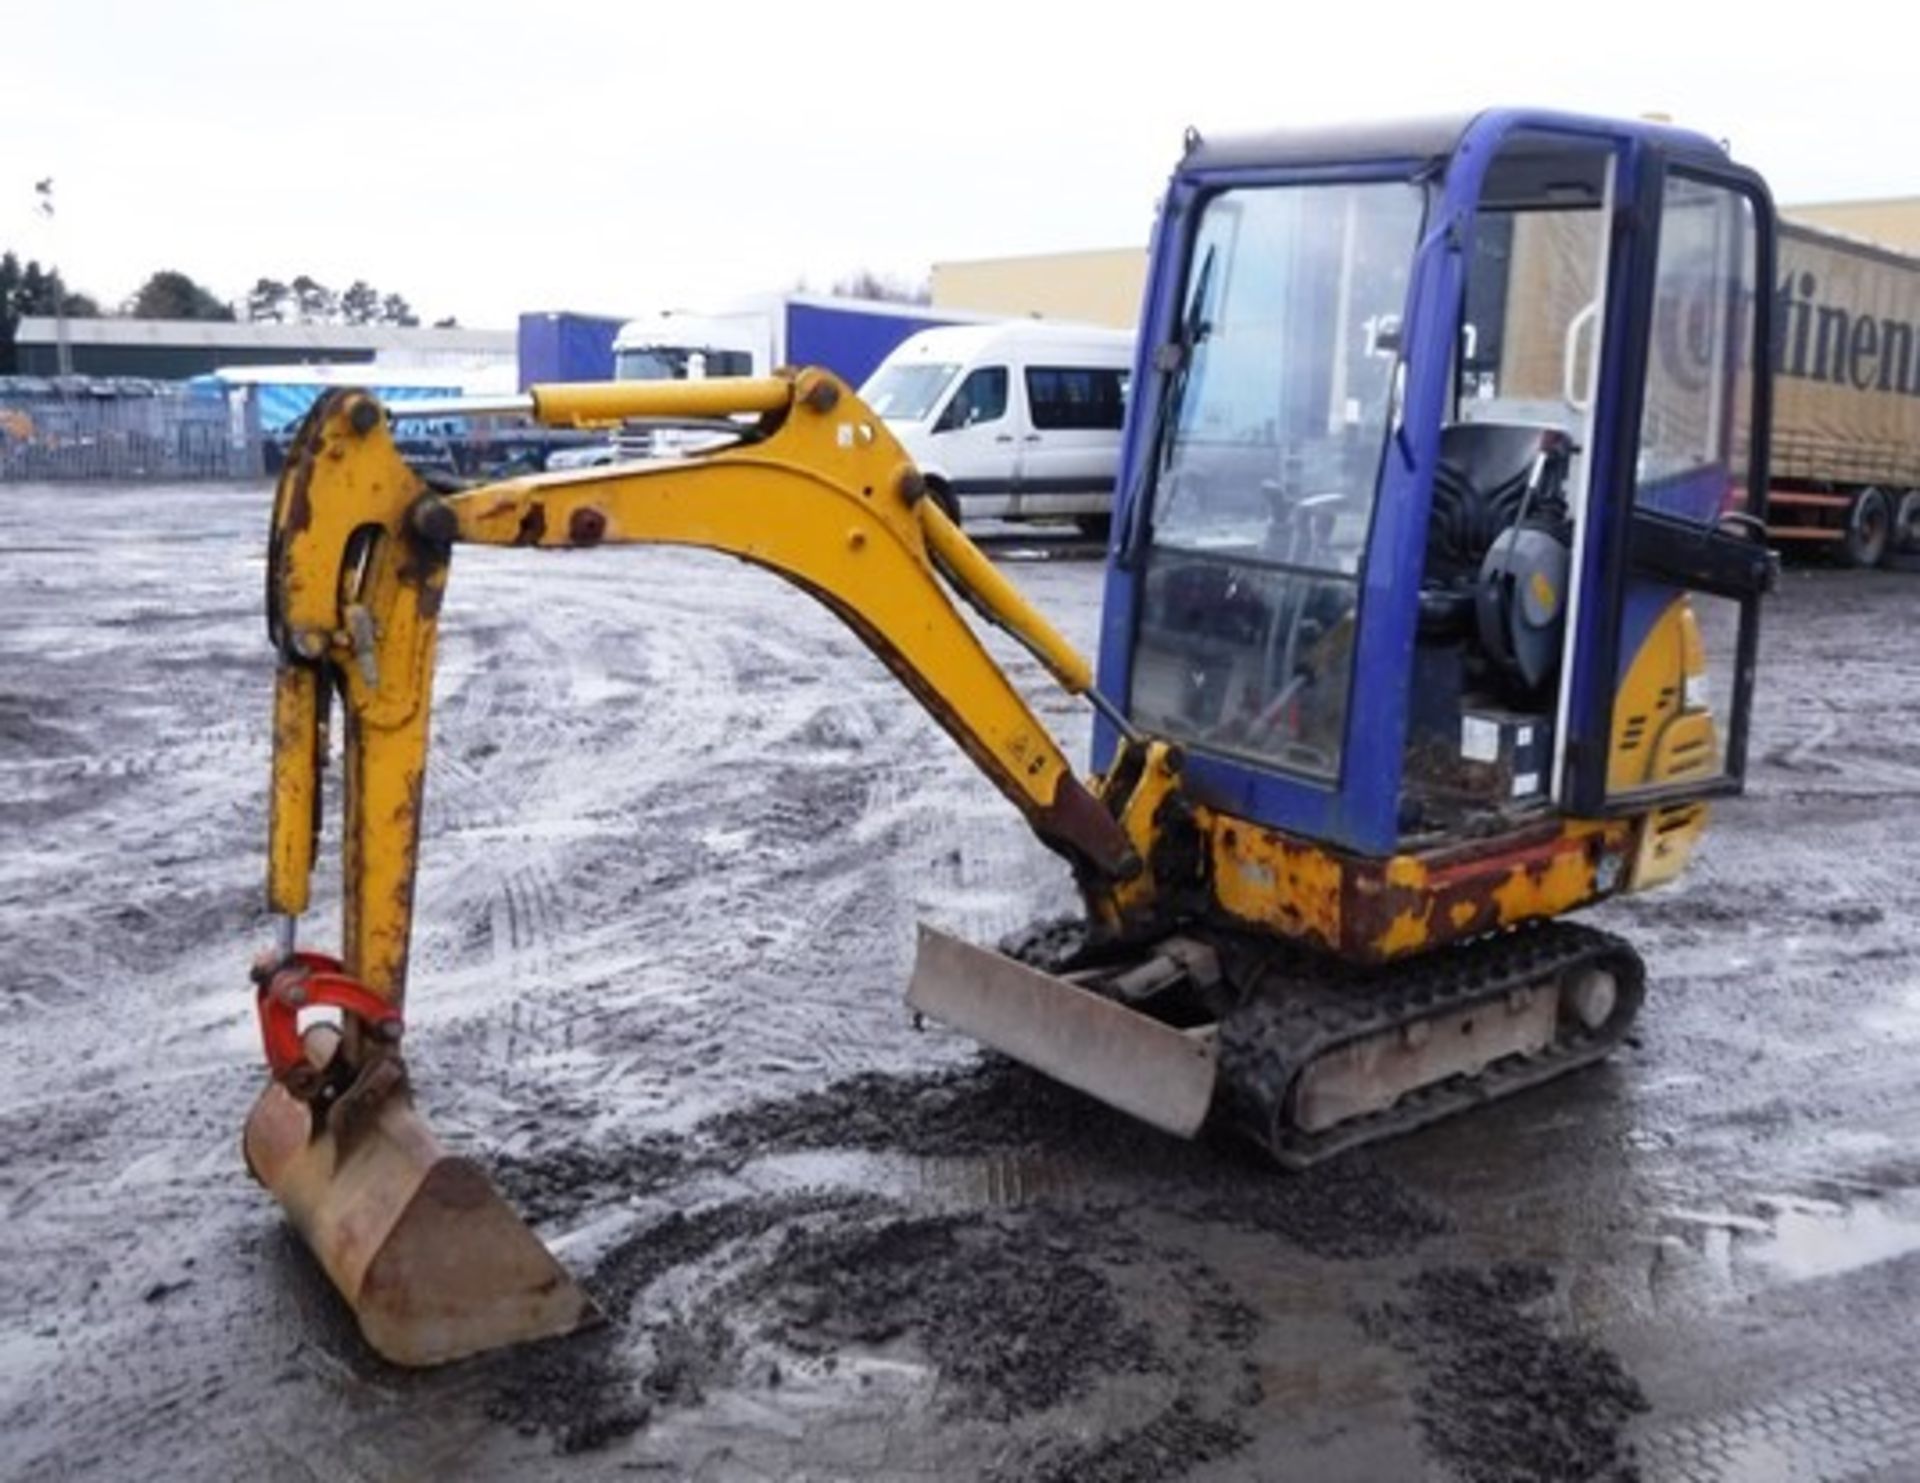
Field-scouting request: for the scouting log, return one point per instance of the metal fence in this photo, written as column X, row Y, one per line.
column 81, row 427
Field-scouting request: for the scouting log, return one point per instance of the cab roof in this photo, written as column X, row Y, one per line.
column 1330, row 144
column 1420, row 139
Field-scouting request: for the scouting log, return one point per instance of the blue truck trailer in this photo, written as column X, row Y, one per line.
column 562, row 345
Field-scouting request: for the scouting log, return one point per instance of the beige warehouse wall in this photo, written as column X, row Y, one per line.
column 1100, row 287
column 1893, row 222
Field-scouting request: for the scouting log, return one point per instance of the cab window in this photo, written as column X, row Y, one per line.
column 1264, row 490
column 982, row 397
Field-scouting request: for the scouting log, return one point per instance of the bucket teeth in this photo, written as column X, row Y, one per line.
column 433, row 1262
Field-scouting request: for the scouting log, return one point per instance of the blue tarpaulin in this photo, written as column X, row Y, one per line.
column 281, row 404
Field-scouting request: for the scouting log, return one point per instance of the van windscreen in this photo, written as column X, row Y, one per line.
column 907, row 392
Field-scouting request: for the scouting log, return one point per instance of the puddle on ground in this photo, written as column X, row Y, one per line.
column 1796, row 1238
column 1818, row 1239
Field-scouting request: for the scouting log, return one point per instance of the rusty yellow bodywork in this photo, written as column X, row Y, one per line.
column 352, row 608
column 1370, row 910
column 1362, row 908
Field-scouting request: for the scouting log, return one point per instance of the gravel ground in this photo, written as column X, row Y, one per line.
column 679, row 827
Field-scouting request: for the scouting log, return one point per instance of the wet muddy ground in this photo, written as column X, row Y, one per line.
column 679, row 829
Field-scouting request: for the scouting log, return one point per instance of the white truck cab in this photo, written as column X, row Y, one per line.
column 678, row 346
column 1015, row 421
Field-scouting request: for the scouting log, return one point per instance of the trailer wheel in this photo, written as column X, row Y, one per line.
column 1906, row 522
column 1869, row 528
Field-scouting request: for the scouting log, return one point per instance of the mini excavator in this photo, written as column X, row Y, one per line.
column 1430, row 616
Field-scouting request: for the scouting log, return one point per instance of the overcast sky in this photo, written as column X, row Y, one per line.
column 485, row 158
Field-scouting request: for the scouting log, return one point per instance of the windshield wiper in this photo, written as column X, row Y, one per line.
column 1172, row 361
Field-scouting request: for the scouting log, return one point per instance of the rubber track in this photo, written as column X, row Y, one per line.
column 1285, row 1023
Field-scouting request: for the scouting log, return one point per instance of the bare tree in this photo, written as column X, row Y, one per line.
column 865, row 283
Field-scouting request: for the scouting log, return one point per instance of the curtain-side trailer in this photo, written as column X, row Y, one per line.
column 1846, row 400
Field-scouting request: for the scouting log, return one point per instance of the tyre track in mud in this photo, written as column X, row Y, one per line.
column 679, row 826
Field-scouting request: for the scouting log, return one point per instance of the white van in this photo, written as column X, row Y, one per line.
column 1016, row 421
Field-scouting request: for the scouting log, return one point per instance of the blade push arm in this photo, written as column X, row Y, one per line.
column 819, row 493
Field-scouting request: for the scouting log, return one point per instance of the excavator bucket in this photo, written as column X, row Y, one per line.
column 433, row 1262
column 1159, row 1074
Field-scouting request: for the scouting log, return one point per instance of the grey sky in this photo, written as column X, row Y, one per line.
column 484, row 158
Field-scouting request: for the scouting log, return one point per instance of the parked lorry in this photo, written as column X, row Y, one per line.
column 751, row 336
column 1846, row 401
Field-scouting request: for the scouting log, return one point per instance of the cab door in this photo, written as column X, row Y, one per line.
column 1661, row 715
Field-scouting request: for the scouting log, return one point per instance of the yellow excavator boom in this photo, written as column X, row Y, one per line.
column 815, row 490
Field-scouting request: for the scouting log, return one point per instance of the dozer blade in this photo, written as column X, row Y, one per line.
column 433, row 1262
column 1149, row 1070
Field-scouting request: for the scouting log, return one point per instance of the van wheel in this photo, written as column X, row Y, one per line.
column 1094, row 527
column 943, row 497
column 1906, row 522
column 1869, row 529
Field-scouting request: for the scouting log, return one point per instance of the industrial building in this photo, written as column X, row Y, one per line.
column 175, row 349
column 1101, row 286
column 1892, row 221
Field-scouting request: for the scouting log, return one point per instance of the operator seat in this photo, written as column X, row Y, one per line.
column 1479, row 488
